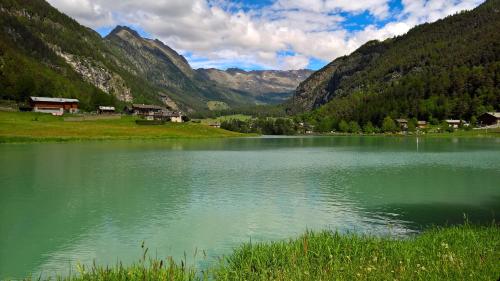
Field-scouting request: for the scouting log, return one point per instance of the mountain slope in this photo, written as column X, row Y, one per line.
column 266, row 86
column 446, row 69
column 164, row 68
column 46, row 53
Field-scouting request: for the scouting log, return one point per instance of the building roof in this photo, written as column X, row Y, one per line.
column 106, row 107
column 495, row 114
column 174, row 114
column 421, row 122
column 401, row 120
column 46, row 99
column 147, row 106
column 453, row 121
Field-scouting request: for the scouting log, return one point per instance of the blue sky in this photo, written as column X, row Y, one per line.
column 262, row 34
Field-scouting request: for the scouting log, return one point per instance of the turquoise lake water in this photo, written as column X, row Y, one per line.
column 63, row 203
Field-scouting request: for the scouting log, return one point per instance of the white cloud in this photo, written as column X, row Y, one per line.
column 220, row 32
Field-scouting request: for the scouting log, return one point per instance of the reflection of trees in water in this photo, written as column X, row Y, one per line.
column 424, row 215
column 67, row 192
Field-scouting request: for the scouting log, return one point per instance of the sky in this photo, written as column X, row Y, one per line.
column 262, row 34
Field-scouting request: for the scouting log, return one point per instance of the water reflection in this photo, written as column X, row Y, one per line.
column 62, row 203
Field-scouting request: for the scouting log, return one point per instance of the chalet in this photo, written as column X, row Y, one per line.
column 455, row 123
column 403, row 123
column 175, row 117
column 146, row 109
column 55, row 106
column 421, row 124
column 489, row 119
column 106, row 110
column 149, row 111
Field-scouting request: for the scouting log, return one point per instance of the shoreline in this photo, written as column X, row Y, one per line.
column 457, row 252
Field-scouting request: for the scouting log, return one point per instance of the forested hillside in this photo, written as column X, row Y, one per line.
column 446, row 69
column 45, row 53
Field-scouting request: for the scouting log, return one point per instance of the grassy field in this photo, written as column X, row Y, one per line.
column 453, row 253
column 32, row 127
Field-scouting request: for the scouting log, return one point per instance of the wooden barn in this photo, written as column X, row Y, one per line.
column 106, row 110
column 55, row 106
column 489, row 119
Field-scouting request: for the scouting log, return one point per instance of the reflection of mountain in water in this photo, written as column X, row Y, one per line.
column 80, row 201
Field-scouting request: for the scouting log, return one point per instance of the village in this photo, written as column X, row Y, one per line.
column 149, row 114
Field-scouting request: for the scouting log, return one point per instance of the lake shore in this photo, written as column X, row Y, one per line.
column 21, row 127
column 462, row 252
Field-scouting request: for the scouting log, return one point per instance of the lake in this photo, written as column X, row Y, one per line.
column 61, row 203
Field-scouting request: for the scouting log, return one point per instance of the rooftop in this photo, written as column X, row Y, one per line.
column 496, row 114
column 47, row 99
column 147, row 106
column 106, row 107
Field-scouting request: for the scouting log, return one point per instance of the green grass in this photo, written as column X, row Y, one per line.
column 33, row 127
column 453, row 253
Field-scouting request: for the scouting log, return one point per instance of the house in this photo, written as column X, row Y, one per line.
column 403, row 123
column 421, row 124
column 175, row 117
column 147, row 111
column 454, row 123
column 106, row 110
column 489, row 119
column 55, row 106
column 214, row 125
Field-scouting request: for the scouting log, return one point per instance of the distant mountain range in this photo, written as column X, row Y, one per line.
column 46, row 53
column 446, row 69
column 266, row 86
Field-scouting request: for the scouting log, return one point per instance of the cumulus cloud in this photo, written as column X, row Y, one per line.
column 285, row 34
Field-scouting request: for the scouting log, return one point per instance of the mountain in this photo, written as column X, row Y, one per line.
column 45, row 53
column 446, row 69
column 166, row 69
column 266, row 86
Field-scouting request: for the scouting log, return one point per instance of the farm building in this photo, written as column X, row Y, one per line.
column 106, row 110
column 421, row 124
column 55, row 106
column 155, row 112
column 456, row 123
column 175, row 117
column 146, row 109
column 403, row 123
column 489, row 119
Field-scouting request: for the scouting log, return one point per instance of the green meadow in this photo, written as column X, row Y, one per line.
column 452, row 253
column 33, row 127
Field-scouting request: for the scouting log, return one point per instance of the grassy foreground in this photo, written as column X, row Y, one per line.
column 32, row 127
column 453, row 253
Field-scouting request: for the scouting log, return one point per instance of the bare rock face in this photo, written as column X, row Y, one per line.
column 96, row 74
column 268, row 86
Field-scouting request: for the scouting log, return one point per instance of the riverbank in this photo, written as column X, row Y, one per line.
column 38, row 127
column 453, row 253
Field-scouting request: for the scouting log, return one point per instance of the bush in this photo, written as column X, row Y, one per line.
column 389, row 126
column 343, row 126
